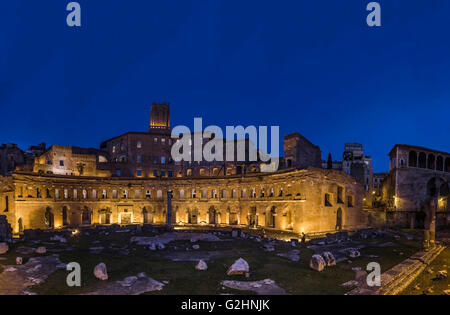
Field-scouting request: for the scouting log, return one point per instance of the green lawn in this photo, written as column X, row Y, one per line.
column 294, row 277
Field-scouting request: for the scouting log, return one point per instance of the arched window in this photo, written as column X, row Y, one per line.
column 412, row 159
column 431, row 161
column 440, row 163
column 422, row 160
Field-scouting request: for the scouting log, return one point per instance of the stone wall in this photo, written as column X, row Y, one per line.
column 292, row 200
column 406, row 190
column 300, row 152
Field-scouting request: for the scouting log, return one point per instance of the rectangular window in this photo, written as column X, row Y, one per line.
column 163, row 140
column 163, row 160
column 163, row 173
column 66, row 194
column 155, row 173
column 61, row 163
column 139, row 159
column 155, row 160
column 159, row 194
column 94, row 194
column 350, row 201
column 155, row 140
column 125, row 194
column 137, row 194
column 194, row 193
column 104, row 195
column 56, row 193
column 118, row 173
column 328, row 198
column 139, row 173
column 148, row 194
column 170, row 173
column 114, row 194
column 75, row 194
column 139, row 145
column 340, row 196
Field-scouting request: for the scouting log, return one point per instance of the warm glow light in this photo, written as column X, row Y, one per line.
column 75, row 232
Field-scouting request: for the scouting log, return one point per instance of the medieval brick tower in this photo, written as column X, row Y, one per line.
column 160, row 117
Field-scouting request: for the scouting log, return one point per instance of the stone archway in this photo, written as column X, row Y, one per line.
column 252, row 217
column 271, row 215
column 212, row 219
column 145, row 216
column 104, row 216
column 193, row 217
column 65, row 216
column 20, row 223
column 49, row 218
column 86, row 216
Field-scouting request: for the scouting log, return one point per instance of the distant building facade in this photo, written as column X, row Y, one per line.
column 300, row 152
column 418, row 179
column 127, row 181
column 10, row 158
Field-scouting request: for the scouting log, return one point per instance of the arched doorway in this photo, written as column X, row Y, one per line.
column 65, row 220
column 104, row 216
column 20, row 223
column 49, row 218
column 86, row 216
column 339, row 220
column 212, row 215
column 145, row 216
column 271, row 217
column 251, row 219
column 193, row 216
column 233, row 218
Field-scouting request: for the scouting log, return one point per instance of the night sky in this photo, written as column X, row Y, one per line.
column 309, row 66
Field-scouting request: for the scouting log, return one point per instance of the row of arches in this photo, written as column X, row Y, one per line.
column 428, row 161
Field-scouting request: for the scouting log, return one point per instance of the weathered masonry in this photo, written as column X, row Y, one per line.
column 418, row 179
column 298, row 200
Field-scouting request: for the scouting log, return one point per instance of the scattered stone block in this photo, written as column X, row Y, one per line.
column 353, row 253
column 269, row 247
column 202, row 266
column 240, row 267
column 329, row 258
column 293, row 255
column 350, row 284
column 100, row 272
column 317, row 263
column 41, row 250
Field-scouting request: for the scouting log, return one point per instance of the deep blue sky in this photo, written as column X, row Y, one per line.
column 309, row 66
